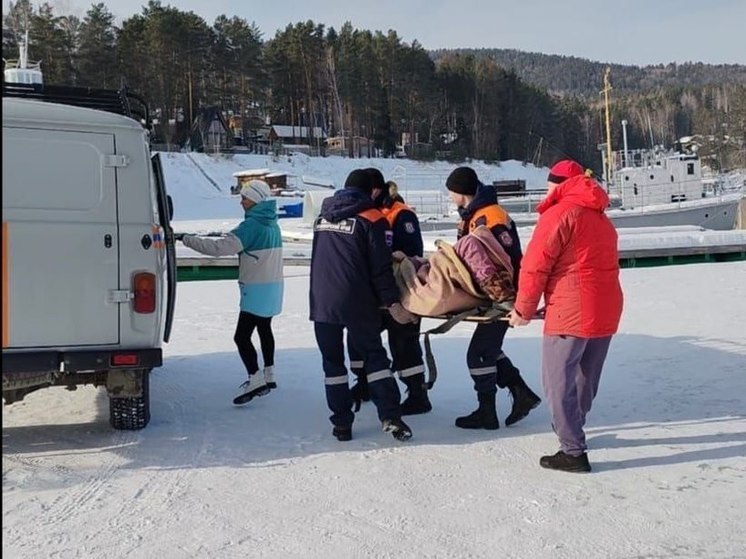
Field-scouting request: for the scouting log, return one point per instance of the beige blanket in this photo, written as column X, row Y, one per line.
column 443, row 283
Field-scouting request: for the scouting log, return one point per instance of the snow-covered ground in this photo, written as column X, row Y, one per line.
column 206, row 479
column 667, row 440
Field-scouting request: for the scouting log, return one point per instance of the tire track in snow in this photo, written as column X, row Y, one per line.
column 79, row 500
column 144, row 509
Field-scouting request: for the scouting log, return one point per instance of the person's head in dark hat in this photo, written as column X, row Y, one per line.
column 563, row 170
column 462, row 185
column 359, row 179
column 378, row 186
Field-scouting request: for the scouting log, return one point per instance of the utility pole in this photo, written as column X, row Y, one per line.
column 191, row 117
column 609, row 160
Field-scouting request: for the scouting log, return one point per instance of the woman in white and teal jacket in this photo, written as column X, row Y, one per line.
column 258, row 242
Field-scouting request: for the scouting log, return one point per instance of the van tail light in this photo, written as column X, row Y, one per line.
column 144, row 288
column 124, row 359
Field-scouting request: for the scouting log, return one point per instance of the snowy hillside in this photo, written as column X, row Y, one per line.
column 208, row 178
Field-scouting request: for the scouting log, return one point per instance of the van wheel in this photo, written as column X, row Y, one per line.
column 134, row 412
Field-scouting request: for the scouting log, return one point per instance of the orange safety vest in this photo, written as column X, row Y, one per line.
column 372, row 215
column 489, row 216
column 393, row 212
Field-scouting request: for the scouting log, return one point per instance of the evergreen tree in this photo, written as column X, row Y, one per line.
column 96, row 55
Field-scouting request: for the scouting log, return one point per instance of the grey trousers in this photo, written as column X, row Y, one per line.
column 571, row 370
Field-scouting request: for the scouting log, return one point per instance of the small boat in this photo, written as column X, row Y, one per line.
column 653, row 187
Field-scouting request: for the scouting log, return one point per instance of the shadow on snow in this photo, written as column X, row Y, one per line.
column 649, row 383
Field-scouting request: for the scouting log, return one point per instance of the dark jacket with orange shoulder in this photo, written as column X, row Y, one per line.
column 573, row 261
column 404, row 226
column 484, row 210
column 351, row 265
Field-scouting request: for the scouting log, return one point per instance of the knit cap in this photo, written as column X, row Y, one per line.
column 376, row 178
column 463, row 180
column 256, row 191
column 359, row 178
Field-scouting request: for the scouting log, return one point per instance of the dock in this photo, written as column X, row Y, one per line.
column 638, row 247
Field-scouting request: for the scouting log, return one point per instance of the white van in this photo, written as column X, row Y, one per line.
column 88, row 260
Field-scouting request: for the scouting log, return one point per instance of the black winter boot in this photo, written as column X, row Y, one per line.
column 342, row 433
column 566, row 462
column 398, row 429
column 417, row 401
column 524, row 400
column 484, row 417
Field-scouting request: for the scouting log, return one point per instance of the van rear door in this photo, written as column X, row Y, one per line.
column 60, row 223
column 165, row 213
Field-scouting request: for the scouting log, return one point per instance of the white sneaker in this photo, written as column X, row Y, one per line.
column 269, row 376
column 252, row 388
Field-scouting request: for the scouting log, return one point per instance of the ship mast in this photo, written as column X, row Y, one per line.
column 21, row 70
column 605, row 91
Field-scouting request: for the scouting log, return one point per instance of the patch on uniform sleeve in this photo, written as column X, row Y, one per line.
column 409, row 227
column 345, row 226
column 506, row 239
column 389, row 238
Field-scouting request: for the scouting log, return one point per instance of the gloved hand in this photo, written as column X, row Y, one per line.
column 359, row 392
column 179, row 236
column 401, row 315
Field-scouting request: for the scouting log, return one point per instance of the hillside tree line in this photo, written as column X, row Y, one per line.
column 455, row 104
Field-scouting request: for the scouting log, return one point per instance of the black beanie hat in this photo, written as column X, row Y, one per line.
column 376, row 178
column 359, row 179
column 463, row 180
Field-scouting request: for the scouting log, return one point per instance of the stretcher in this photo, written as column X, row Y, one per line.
column 481, row 315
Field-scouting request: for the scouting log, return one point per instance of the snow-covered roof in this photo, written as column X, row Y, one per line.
column 285, row 131
column 252, row 173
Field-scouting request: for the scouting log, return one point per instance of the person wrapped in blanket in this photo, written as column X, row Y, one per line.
column 488, row 365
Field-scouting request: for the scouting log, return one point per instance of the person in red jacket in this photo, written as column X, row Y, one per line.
column 572, row 261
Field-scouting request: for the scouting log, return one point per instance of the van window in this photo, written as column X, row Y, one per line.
column 39, row 162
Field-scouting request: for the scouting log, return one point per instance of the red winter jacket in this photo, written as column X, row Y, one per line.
column 572, row 260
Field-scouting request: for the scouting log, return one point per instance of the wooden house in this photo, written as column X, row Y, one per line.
column 277, row 180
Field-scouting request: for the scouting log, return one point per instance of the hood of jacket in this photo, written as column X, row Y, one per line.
column 345, row 203
column 265, row 212
column 580, row 191
column 485, row 196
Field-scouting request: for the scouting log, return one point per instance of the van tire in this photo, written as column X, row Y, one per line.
column 133, row 413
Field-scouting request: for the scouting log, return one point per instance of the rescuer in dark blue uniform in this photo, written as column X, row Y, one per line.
column 351, row 281
column 404, row 339
column 488, row 365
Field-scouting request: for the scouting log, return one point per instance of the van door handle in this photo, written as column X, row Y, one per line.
column 107, row 240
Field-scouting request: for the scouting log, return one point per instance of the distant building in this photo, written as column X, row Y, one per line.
column 210, row 132
column 295, row 135
column 359, row 146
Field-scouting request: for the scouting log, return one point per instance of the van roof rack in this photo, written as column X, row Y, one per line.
column 119, row 101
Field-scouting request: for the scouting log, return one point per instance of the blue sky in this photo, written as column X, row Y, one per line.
column 624, row 31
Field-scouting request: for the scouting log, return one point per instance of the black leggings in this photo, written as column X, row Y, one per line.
column 244, row 330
